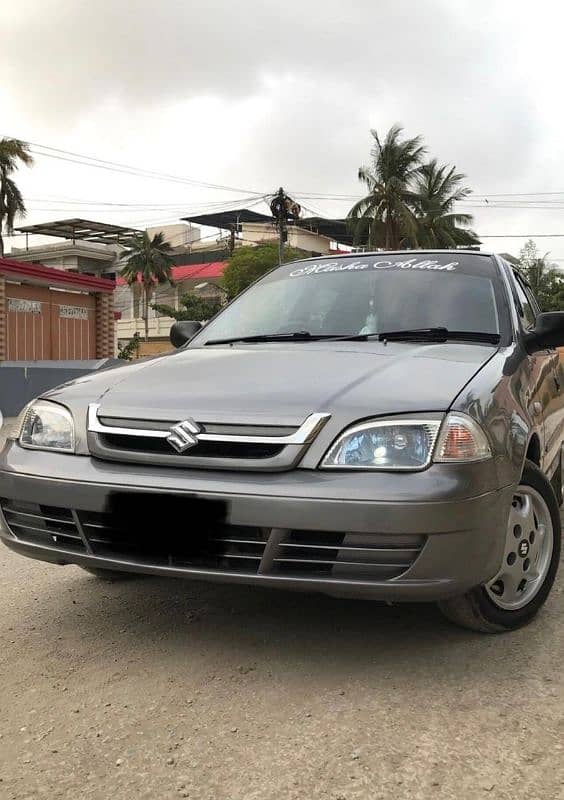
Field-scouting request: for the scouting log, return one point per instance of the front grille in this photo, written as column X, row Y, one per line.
column 230, row 548
column 209, row 445
column 140, row 444
column 347, row 555
column 222, row 548
column 45, row 525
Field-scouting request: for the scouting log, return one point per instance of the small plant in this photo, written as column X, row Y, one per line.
column 130, row 350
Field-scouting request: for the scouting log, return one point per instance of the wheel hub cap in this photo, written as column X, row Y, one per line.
column 528, row 551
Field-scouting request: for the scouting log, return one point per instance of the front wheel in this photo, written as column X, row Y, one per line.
column 530, row 563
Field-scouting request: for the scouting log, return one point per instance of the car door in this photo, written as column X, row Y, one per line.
column 544, row 389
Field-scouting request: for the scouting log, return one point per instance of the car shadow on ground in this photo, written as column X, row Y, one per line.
column 175, row 621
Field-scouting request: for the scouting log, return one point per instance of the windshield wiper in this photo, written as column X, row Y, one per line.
column 297, row 336
column 426, row 335
column 408, row 335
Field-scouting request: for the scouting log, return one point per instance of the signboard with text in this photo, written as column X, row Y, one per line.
column 73, row 312
column 21, row 306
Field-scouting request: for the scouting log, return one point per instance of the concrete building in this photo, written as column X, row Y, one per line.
column 91, row 258
column 203, row 279
column 48, row 314
column 91, row 247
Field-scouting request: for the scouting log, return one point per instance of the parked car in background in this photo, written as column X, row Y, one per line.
column 380, row 425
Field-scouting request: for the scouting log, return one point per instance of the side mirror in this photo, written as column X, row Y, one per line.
column 547, row 333
column 181, row 332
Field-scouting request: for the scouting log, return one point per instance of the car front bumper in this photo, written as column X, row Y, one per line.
column 453, row 511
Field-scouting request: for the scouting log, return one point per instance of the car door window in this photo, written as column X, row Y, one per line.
column 525, row 309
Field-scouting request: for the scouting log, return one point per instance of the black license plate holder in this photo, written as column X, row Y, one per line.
column 163, row 521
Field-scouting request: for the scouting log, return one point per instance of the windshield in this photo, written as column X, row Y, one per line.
column 366, row 295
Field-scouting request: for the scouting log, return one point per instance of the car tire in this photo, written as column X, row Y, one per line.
column 112, row 575
column 483, row 608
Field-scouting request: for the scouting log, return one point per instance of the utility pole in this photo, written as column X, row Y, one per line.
column 283, row 208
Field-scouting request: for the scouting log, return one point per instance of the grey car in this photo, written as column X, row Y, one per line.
column 377, row 425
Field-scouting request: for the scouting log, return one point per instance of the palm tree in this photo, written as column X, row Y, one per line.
column 148, row 262
column 384, row 218
column 12, row 151
column 437, row 189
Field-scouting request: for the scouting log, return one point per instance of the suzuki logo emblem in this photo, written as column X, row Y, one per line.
column 184, row 435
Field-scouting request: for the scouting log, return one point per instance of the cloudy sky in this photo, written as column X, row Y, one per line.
column 257, row 94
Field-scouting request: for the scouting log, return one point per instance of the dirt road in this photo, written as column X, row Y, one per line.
column 163, row 689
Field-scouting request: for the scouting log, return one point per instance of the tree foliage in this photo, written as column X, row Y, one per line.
column 12, row 153
column 147, row 261
column 410, row 202
column 249, row 263
column 130, row 349
column 193, row 307
column 543, row 277
column 437, row 189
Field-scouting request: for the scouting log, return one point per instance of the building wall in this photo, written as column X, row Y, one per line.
column 42, row 324
column 129, row 305
column 159, row 328
column 93, row 257
column 177, row 235
column 297, row 237
column 105, row 334
column 53, row 316
column 3, row 348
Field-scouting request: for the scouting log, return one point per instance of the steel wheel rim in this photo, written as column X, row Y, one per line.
column 528, row 551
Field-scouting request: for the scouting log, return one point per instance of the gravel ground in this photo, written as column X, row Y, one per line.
column 163, row 689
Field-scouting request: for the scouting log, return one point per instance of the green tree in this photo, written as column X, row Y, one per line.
column 12, row 153
column 249, row 263
column 543, row 277
column 193, row 307
column 385, row 216
column 129, row 350
column 437, row 189
column 409, row 203
column 149, row 262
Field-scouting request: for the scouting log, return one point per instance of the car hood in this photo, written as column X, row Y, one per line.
column 282, row 383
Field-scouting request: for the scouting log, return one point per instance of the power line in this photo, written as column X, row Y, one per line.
column 95, row 161
column 200, row 208
column 521, row 236
column 114, row 166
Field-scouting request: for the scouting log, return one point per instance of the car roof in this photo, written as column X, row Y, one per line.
column 415, row 253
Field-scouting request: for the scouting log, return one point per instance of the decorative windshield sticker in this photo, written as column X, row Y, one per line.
column 355, row 266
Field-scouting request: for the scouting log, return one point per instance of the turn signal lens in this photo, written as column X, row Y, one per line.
column 461, row 439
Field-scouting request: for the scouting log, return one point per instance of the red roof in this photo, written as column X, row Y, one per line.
column 213, row 270
column 39, row 273
column 192, row 271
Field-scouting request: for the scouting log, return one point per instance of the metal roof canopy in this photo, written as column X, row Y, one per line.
column 335, row 229
column 83, row 229
column 226, row 219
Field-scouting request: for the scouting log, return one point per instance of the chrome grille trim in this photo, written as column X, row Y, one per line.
column 304, row 434
column 217, row 428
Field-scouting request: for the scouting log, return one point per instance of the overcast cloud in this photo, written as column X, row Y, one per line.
column 258, row 94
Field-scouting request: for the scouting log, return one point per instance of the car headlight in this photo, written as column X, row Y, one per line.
column 46, row 426
column 407, row 444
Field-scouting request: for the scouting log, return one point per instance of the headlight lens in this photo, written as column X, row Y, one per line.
column 408, row 444
column 385, row 444
column 46, row 426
